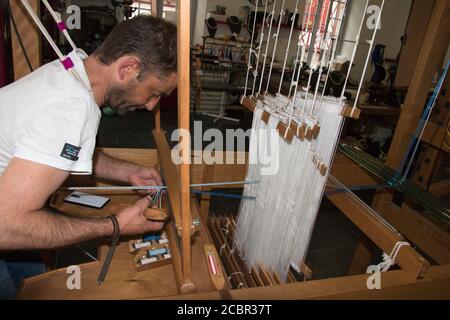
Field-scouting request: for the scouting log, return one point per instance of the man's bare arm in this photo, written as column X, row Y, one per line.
column 24, row 188
column 107, row 167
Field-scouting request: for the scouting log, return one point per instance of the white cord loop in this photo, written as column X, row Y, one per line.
column 389, row 260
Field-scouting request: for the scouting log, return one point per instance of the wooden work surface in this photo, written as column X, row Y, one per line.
column 122, row 281
column 79, row 211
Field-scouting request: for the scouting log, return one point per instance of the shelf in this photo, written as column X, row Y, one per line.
column 274, row 27
column 222, row 61
column 230, row 42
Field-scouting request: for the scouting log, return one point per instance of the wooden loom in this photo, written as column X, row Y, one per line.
column 189, row 275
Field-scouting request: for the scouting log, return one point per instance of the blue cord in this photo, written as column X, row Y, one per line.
column 224, row 195
column 423, row 121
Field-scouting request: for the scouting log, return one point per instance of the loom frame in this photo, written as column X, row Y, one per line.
column 415, row 280
column 432, row 239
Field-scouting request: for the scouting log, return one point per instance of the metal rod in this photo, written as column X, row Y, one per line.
column 212, row 184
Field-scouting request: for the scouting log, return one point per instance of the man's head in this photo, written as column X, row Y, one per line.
column 142, row 53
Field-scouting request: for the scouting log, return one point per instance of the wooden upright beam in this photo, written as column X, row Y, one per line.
column 154, row 4
column 431, row 57
column 430, row 60
column 408, row 259
column 157, row 109
column 364, row 252
column 171, row 176
column 184, row 26
column 30, row 37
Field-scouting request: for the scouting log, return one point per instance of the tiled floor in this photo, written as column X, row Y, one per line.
column 334, row 238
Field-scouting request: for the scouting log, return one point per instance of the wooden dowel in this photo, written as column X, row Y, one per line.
column 176, row 255
column 229, row 241
column 256, row 277
column 183, row 124
column 349, row 112
column 265, row 276
column 307, row 272
column 218, row 241
column 290, row 277
column 172, row 178
column 225, row 242
column 157, row 109
column 276, row 278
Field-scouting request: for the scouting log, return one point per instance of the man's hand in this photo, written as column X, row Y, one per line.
column 145, row 176
column 132, row 220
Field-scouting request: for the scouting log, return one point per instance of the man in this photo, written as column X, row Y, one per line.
column 48, row 127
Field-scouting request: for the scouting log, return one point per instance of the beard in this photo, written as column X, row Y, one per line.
column 119, row 100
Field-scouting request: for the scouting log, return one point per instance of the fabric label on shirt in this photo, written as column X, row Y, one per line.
column 70, row 152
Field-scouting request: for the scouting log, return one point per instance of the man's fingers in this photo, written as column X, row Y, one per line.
column 157, row 177
column 144, row 203
column 155, row 226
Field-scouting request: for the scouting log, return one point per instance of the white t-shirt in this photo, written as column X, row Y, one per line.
column 48, row 117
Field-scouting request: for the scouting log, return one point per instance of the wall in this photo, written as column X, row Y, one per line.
column 199, row 26
column 393, row 24
column 107, row 3
column 234, row 9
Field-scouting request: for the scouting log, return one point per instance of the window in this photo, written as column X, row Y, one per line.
column 145, row 7
column 330, row 22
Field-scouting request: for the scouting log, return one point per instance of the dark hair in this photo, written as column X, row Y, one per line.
column 152, row 40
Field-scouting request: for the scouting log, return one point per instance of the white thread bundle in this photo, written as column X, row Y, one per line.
column 276, row 228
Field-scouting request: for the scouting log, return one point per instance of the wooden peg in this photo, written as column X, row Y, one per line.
column 294, row 127
column 309, row 133
column 249, row 104
column 260, row 97
column 307, row 272
column 301, row 132
column 316, row 131
column 285, row 132
column 265, row 117
column 351, row 112
column 323, row 169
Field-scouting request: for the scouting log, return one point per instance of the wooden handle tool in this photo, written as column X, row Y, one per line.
column 153, row 214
